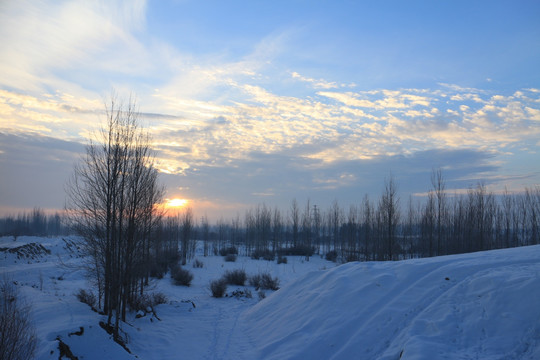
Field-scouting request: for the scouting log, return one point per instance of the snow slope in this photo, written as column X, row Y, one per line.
column 476, row 306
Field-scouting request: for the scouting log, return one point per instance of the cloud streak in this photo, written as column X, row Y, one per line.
column 42, row 38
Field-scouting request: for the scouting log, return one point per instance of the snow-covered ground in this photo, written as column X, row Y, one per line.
column 476, row 306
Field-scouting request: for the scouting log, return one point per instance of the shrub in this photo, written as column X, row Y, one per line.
column 159, row 266
column 147, row 301
column 158, row 269
column 281, row 259
column 228, row 250
column 331, row 255
column 87, row 298
column 255, row 281
column 159, row 298
column 261, row 294
column 298, row 250
column 263, row 253
column 181, row 276
column 141, row 302
column 17, row 334
column 218, row 288
column 264, row 281
column 235, row 277
column 198, row 263
column 230, row 258
column 242, row 293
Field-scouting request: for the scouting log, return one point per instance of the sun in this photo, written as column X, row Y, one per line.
column 176, row 203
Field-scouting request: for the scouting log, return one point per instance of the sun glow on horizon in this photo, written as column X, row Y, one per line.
column 176, row 203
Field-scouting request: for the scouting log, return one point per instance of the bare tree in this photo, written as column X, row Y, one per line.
column 389, row 209
column 17, row 335
column 428, row 225
column 251, row 230
column 277, row 230
column 306, row 228
column 458, row 221
column 263, row 225
column 335, row 221
column 111, row 201
column 186, row 234
column 367, row 227
column 531, row 200
column 316, row 214
column 350, row 233
column 235, row 230
column 439, row 186
column 409, row 233
column 508, row 218
column 205, row 228
column 295, row 222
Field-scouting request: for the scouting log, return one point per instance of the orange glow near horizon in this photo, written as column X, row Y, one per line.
column 176, row 203
column 174, row 206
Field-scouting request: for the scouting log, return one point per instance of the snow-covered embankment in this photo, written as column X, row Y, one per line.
column 481, row 305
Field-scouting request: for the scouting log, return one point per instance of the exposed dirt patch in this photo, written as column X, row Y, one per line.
column 28, row 251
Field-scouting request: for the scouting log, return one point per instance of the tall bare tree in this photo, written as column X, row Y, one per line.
column 205, row 233
column 295, row 222
column 335, row 218
column 277, row 230
column 186, row 234
column 389, row 209
column 306, row 230
column 367, row 227
column 18, row 339
column 439, row 186
column 111, row 201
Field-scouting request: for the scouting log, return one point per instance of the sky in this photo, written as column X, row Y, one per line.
column 252, row 102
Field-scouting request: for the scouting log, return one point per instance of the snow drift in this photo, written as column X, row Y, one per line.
column 481, row 305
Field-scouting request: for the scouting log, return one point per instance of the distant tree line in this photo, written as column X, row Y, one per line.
column 387, row 229
column 33, row 223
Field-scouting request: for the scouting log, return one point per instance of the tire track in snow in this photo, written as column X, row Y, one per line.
column 386, row 316
column 224, row 317
column 460, row 304
column 215, row 333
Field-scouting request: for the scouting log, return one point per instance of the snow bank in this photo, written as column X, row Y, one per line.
column 481, row 305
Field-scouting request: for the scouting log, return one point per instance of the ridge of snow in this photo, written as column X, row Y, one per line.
column 481, row 305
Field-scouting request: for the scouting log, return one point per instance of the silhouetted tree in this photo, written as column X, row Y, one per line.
column 17, row 334
column 389, row 210
column 111, row 201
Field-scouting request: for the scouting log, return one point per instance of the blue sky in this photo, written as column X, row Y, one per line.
column 252, row 102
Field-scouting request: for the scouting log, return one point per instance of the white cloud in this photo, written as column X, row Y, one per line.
column 534, row 114
column 391, row 99
column 348, row 99
column 317, row 83
column 41, row 37
column 328, row 124
column 357, row 126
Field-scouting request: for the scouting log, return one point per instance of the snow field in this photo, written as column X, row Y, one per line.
column 207, row 331
column 475, row 306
